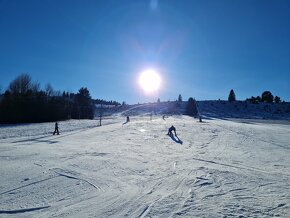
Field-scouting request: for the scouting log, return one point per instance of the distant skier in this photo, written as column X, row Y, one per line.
column 200, row 119
column 170, row 130
column 127, row 120
column 56, row 129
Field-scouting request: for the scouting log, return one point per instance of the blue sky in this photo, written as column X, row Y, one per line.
column 202, row 49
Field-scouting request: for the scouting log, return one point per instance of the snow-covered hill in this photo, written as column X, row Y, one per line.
column 217, row 168
column 210, row 109
column 246, row 110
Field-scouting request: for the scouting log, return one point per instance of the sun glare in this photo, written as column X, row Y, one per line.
column 149, row 81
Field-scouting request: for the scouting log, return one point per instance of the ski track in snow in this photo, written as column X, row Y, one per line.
column 222, row 169
column 22, row 210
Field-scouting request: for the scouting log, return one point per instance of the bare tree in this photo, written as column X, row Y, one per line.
column 21, row 84
column 35, row 87
column 48, row 90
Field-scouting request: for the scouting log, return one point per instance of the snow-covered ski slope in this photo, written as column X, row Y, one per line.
column 246, row 110
column 222, row 169
column 213, row 109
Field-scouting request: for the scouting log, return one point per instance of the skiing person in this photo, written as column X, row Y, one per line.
column 172, row 128
column 56, row 129
column 128, row 120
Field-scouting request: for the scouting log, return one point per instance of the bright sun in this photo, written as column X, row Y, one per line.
column 149, row 81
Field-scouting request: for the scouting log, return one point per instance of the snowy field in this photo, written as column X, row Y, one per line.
column 218, row 168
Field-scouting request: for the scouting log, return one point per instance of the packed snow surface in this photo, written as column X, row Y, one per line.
column 217, row 168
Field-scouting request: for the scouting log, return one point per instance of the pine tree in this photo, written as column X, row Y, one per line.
column 232, row 96
column 191, row 107
column 179, row 101
column 179, row 98
column 84, row 104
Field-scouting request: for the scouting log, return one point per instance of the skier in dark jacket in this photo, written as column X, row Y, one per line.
column 172, row 128
column 56, row 129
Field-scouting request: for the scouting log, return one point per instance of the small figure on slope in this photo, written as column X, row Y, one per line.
column 172, row 128
column 200, row 119
column 128, row 120
column 56, row 129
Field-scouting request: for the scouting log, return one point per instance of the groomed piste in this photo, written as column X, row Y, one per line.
column 223, row 168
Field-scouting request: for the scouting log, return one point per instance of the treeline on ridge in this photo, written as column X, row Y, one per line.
column 25, row 102
column 266, row 97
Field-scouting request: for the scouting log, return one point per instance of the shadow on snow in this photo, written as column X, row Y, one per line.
column 176, row 139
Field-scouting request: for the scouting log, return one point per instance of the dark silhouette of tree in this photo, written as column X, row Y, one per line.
column 191, row 107
column 259, row 99
column 179, row 98
column 253, row 100
column 20, row 85
column 23, row 85
column 48, row 90
column 83, row 105
column 232, row 96
column 277, row 99
column 104, row 102
column 179, row 101
column 267, row 97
